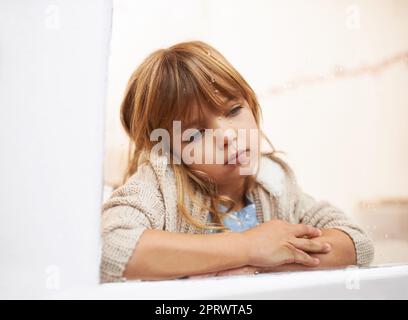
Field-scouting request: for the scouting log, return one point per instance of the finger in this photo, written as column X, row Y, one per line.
column 301, row 257
column 301, row 230
column 310, row 245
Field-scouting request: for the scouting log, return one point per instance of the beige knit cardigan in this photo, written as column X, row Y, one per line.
column 148, row 200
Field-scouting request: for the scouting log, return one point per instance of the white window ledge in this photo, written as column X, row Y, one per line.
column 380, row 282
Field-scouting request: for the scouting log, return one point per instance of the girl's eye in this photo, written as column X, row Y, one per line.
column 235, row 110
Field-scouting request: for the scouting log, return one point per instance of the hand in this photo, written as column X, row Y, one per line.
column 342, row 254
column 286, row 239
column 277, row 242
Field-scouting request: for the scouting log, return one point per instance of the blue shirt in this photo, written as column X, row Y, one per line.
column 238, row 221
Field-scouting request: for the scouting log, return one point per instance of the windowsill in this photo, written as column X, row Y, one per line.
column 378, row 282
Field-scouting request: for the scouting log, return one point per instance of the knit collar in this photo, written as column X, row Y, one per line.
column 271, row 176
column 248, row 202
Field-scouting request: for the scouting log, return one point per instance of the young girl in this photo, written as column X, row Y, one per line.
column 176, row 217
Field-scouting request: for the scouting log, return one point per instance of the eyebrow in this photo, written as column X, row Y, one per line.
column 229, row 103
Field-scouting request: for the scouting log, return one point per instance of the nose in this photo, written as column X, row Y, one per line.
column 228, row 137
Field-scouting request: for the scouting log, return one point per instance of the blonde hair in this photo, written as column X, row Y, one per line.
column 165, row 87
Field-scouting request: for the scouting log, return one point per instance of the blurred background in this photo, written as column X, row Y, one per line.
column 332, row 80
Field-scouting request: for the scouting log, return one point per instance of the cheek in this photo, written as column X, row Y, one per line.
column 193, row 151
column 247, row 119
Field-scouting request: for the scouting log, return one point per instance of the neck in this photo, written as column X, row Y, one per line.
column 235, row 191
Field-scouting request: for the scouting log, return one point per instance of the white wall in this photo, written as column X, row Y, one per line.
column 53, row 74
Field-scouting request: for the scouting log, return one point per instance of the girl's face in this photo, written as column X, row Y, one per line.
column 229, row 150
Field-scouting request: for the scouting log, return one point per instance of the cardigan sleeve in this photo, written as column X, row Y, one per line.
column 131, row 209
column 296, row 206
column 323, row 214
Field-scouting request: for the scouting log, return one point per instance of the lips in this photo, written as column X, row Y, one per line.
column 235, row 156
